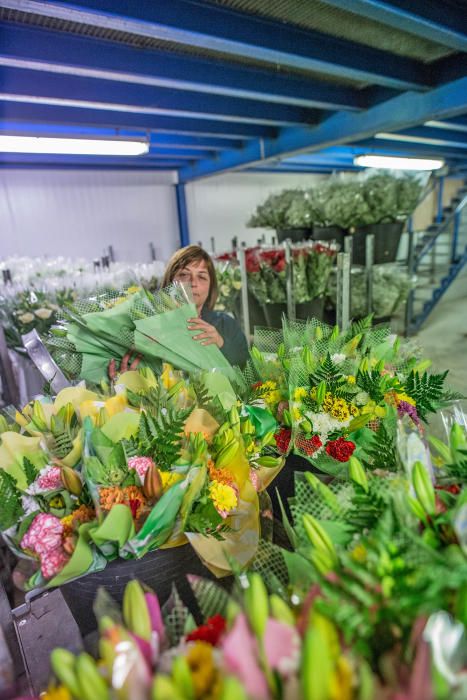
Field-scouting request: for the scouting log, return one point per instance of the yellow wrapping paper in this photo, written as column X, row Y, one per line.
column 240, row 545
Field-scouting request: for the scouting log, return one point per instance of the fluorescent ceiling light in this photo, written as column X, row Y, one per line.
column 395, row 163
column 70, row 146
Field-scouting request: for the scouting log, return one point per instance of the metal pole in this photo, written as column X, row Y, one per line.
column 289, row 280
column 241, row 257
column 9, row 386
column 348, row 247
column 411, row 269
column 343, row 291
column 369, row 258
column 455, row 236
column 182, row 212
column 439, row 213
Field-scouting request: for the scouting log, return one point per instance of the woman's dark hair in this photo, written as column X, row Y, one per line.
column 185, row 256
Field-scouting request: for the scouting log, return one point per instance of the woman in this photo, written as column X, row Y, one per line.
column 193, row 267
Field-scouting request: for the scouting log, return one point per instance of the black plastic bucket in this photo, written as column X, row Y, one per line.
column 159, row 570
column 310, row 309
column 387, row 239
column 296, row 235
column 329, row 233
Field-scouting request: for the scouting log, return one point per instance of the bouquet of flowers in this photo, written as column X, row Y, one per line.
column 391, row 285
column 23, row 311
column 266, row 268
column 103, row 327
column 163, row 461
column 229, row 282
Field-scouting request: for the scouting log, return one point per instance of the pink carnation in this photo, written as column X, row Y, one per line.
column 44, row 534
column 141, row 465
column 53, row 562
column 51, row 479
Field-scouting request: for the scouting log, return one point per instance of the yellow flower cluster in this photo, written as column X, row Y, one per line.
column 223, row 496
column 300, row 393
column 169, row 479
column 338, row 408
column 269, row 393
column 204, row 674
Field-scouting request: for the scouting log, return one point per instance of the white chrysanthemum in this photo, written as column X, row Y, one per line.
column 237, row 284
column 338, row 357
column 225, row 289
column 26, row 318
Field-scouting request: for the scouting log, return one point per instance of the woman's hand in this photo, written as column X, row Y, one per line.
column 208, row 335
column 125, row 365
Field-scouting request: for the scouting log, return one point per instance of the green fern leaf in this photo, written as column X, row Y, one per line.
column 30, row 470
column 10, row 497
column 426, row 390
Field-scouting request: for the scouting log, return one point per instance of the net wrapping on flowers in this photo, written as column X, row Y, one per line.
column 270, row 563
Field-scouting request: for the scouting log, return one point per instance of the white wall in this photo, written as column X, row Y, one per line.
column 78, row 213
column 220, row 206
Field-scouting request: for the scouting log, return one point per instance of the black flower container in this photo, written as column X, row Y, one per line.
column 296, row 235
column 387, row 239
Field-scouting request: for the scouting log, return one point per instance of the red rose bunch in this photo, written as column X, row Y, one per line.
column 283, row 439
column 274, row 259
column 309, row 446
column 340, row 449
column 210, row 632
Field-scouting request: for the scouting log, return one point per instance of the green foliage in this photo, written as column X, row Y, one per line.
column 160, row 437
column 327, row 372
column 150, row 400
column 373, row 383
column 426, row 390
column 10, row 497
column 206, row 520
column 30, row 470
column 381, row 451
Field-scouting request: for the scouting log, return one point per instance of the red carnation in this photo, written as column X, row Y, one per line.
column 283, row 439
column 280, row 265
column 309, row 446
column 340, row 449
column 210, row 632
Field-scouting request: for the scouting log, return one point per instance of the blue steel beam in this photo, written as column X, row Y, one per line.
column 50, row 88
column 239, row 34
column 87, row 166
column 435, row 21
column 53, row 114
column 42, row 50
column 405, row 111
column 115, row 161
column 182, row 212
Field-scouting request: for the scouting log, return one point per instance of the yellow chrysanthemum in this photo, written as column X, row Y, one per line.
column 351, row 379
column 353, row 410
column 268, row 386
column 223, row 496
column 313, row 392
column 359, row 553
column 404, row 397
column 272, row 398
column 299, row 393
column 204, row 673
column 296, row 415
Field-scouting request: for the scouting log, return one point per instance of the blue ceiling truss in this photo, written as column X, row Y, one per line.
column 213, row 89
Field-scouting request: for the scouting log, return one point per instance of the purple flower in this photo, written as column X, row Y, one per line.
column 406, row 408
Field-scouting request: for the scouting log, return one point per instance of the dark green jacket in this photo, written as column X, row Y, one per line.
column 235, row 348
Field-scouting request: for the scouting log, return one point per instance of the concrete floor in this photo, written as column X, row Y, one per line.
column 443, row 337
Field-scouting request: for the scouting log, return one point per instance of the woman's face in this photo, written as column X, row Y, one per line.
column 196, row 275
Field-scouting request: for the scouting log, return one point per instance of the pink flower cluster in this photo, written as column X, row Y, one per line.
column 44, row 538
column 141, row 465
column 50, row 479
